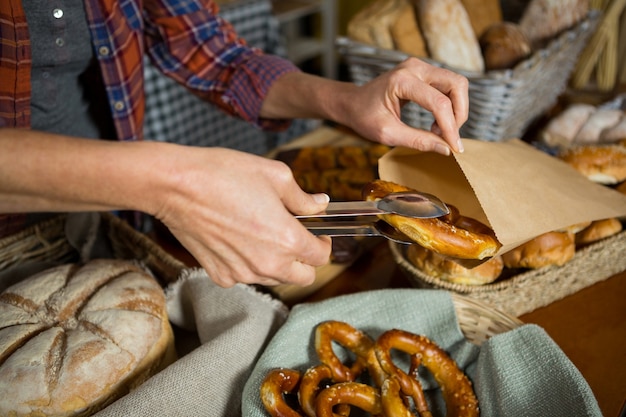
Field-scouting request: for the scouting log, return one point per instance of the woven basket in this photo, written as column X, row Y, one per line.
column 479, row 321
column 527, row 291
column 502, row 103
column 46, row 242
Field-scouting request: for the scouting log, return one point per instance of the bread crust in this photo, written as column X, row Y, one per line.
column 552, row 248
column 447, row 269
column 598, row 230
column 504, row 45
column 76, row 338
column 449, row 35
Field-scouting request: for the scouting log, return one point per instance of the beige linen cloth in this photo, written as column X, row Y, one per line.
column 233, row 327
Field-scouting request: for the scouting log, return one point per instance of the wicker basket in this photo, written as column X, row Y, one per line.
column 46, row 242
column 527, row 291
column 479, row 321
column 502, row 103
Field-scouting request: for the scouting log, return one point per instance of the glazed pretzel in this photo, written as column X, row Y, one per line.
column 321, row 394
column 456, row 388
column 275, row 385
column 351, row 339
column 363, row 396
column 312, row 382
column 450, row 235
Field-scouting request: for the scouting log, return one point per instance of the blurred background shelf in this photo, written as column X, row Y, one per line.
column 297, row 19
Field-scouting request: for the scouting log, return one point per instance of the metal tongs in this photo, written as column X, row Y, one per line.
column 358, row 218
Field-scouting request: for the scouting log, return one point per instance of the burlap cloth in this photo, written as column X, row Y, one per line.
column 518, row 373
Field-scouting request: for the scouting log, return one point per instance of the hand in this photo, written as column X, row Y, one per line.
column 234, row 213
column 375, row 109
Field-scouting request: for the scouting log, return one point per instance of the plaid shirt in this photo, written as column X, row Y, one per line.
column 185, row 39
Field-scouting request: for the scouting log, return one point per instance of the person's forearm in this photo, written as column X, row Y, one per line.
column 301, row 95
column 44, row 172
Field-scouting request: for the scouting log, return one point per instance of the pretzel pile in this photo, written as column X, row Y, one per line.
column 373, row 382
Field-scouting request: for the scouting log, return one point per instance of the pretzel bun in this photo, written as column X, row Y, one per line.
column 552, row 248
column 444, row 268
column 601, row 164
column 450, row 235
column 75, row 338
column 598, row 230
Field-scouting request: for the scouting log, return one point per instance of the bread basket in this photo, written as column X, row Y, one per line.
column 46, row 242
column 479, row 321
column 530, row 289
column 502, row 103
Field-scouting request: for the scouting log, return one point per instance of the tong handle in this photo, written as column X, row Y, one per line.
column 327, row 228
column 347, row 209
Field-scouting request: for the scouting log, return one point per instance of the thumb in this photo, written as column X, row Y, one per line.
column 302, row 203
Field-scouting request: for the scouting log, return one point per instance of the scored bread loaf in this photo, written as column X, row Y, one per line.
column 75, row 338
column 449, row 35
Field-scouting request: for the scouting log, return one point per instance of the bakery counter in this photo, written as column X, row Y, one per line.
column 589, row 326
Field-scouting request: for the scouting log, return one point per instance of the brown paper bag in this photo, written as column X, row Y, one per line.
column 518, row 190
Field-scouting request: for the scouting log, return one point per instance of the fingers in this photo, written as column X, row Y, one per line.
column 440, row 91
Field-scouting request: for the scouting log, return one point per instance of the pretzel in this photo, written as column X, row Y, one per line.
column 312, row 382
column 350, row 338
column 275, row 384
column 456, row 388
column 450, row 235
column 394, row 405
column 360, row 395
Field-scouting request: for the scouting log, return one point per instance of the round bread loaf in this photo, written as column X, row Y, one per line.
column 504, row 45
column 442, row 267
column 552, row 248
column 75, row 338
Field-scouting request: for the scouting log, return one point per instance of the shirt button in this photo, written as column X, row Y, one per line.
column 57, row 13
column 119, row 105
column 104, row 50
column 59, row 41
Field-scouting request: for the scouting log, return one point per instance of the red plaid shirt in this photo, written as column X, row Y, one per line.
column 185, row 39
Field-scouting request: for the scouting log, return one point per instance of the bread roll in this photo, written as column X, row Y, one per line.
column 75, row 338
column 598, row 121
column 552, row 248
column 482, row 14
column 563, row 128
column 615, row 133
column 598, row 230
column 449, row 36
column 544, row 19
column 504, row 45
column 438, row 266
column 604, row 164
